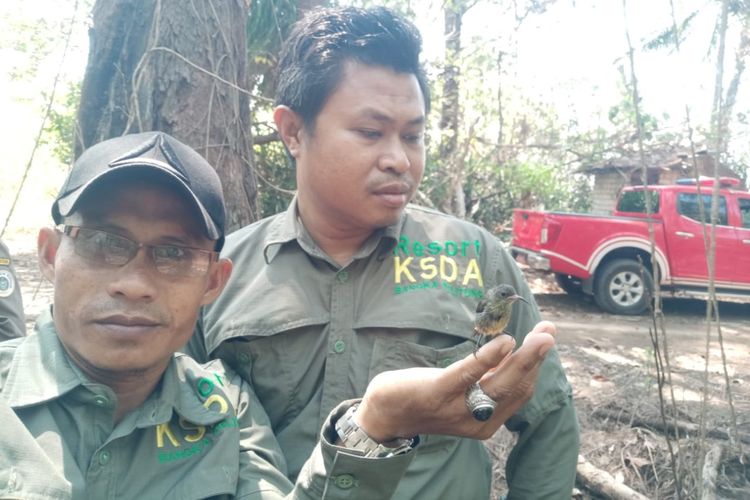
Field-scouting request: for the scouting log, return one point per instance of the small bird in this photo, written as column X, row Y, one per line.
column 494, row 312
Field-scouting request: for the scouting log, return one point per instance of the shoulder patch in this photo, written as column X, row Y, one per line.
column 7, row 283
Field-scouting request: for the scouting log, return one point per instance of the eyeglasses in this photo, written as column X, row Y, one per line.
column 103, row 248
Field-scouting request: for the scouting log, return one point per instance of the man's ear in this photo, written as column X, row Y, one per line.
column 218, row 275
column 289, row 124
column 47, row 244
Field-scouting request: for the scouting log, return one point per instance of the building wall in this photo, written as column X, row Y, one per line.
column 607, row 186
column 671, row 176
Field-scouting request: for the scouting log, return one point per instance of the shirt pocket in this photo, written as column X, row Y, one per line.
column 283, row 366
column 394, row 354
column 431, row 332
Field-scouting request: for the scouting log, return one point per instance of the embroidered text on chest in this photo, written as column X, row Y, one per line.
column 449, row 265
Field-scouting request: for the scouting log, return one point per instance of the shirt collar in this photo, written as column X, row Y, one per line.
column 288, row 227
column 195, row 392
column 284, row 229
column 41, row 371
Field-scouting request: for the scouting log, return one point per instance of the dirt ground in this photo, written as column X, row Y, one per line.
column 610, row 363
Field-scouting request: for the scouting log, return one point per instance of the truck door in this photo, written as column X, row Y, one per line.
column 685, row 239
column 743, row 242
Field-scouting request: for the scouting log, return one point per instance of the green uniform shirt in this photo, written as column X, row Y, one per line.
column 12, row 319
column 307, row 333
column 200, row 434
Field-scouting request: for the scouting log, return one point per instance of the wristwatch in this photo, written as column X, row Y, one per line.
column 354, row 438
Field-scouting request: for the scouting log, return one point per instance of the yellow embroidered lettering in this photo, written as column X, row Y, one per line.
column 164, row 430
column 215, row 398
column 402, row 269
column 200, row 431
column 448, row 262
column 429, row 269
column 473, row 273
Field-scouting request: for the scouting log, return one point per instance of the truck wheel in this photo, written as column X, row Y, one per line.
column 570, row 284
column 620, row 287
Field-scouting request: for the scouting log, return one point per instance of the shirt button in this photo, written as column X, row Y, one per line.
column 342, row 276
column 344, row 481
column 339, row 346
column 104, row 457
column 101, row 401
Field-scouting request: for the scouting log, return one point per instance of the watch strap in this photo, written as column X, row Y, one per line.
column 353, row 437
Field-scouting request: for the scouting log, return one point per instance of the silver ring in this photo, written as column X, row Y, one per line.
column 479, row 403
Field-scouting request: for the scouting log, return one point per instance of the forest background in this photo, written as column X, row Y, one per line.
column 527, row 93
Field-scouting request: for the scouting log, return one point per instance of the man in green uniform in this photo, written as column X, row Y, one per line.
column 96, row 404
column 350, row 281
column 12, row 319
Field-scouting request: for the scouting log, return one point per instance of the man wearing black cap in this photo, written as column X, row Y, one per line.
column 140, row 220
column 96, row 404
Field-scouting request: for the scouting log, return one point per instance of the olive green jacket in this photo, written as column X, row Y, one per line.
column 307, row 333
column 201, row 434
column 12, row 319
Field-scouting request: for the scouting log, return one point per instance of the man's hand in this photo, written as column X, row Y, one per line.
column 404, row 403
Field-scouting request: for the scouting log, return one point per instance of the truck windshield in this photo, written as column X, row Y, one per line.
column 635, row 201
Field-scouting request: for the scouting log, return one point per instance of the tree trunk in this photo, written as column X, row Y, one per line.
column 743, row 50
column 178, row 67
column 450, row 112
column 717, row 112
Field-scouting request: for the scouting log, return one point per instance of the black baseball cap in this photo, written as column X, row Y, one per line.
column 156, row 152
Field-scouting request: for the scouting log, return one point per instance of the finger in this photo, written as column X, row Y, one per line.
column 540, row 341
column 544, row 327
column 472, row 367
column 516, row 376
column 512, row 383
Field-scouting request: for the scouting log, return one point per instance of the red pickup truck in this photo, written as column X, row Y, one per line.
column 609, row 257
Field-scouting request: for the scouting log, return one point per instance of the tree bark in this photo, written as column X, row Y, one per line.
column 176, row 66
column 743, row 50
column 717, row 112
column 455, row 202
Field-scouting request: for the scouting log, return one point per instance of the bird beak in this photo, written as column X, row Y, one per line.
column 518, row 297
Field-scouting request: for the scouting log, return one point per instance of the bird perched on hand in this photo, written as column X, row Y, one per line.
column 494, row 312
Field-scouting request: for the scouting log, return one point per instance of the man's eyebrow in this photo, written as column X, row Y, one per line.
column 378, row 116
